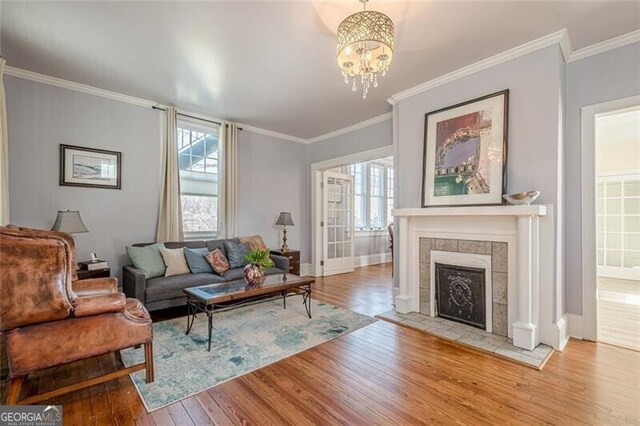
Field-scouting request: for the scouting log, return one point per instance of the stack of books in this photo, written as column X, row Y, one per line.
column 92, row 265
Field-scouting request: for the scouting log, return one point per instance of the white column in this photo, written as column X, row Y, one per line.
column 404, row 298
column 524, row 330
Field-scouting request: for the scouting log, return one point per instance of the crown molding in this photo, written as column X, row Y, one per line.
column 78, row 87
column 271, row 133
column 559, row 37
column 108, row 94
column 604, row 46
column 370, row 122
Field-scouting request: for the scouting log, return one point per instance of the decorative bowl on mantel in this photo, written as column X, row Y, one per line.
column 521, row 198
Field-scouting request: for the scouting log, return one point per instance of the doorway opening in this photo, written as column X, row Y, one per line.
column 617, row 208
column 352, row 201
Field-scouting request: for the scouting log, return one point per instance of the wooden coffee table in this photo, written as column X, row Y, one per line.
column 219, row 297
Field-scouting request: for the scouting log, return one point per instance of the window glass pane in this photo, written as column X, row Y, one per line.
column 375, row 218
column 614, row 258
column 614, row 206
column 199, row 213
column 601, row 257
column 631, row 241
column 358, row 211
column 614, row 189
column 614, row 241
column 632, row 206
column 376, row 181
column 198, row 163
column 631, row 259
column 614, row 223
column 632, row 188
column 632, row 223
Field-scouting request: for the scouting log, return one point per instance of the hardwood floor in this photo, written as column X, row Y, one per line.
column 619, row 312
column 380, row 374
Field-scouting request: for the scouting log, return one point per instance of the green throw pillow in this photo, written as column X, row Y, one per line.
column 148, row 260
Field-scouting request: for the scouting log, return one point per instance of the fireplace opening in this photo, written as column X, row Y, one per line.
column 460, row 294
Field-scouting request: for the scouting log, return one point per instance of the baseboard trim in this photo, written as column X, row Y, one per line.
column 372, row 259
column 561, row 337
column 575, row 326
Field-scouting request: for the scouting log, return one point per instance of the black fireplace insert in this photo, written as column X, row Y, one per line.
column 460, row 294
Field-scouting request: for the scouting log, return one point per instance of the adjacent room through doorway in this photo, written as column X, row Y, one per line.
column 618, row 227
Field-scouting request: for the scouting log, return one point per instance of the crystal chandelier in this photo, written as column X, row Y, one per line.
column 365, row 47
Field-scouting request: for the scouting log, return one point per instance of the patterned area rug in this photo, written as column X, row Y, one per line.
column 244, row 339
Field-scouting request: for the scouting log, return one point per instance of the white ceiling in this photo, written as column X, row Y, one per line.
column 271, row 64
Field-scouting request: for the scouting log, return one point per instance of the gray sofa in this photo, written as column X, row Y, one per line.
column 165, row 292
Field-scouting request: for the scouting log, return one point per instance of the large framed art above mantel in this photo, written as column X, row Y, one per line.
column 465, row 153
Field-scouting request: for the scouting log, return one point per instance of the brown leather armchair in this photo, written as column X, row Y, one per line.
column 49, row 318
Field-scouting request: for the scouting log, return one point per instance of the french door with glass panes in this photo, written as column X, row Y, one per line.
column 337, row 229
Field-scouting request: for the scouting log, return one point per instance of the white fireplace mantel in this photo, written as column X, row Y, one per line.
column 519, row 226
column 535, row 210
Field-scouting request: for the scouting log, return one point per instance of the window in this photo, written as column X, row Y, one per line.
column 373, row 193
column 359, row 208
column 198, row 158
column 618, row 220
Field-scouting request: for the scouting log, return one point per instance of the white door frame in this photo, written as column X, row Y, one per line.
column 588, row 178
column 316, row 196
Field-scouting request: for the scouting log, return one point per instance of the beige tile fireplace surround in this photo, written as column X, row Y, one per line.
column 496, row 251
column 515, row 246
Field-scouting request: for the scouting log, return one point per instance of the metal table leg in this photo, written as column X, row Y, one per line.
column 306, row 300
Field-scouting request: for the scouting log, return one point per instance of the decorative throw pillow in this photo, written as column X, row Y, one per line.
column 218, row 261
column 236, row 253
column 174, row 261
column 255, row 242
column 148, row 259
column 196, row 260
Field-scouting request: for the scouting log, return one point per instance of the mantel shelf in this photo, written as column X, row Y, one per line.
column 533, row 210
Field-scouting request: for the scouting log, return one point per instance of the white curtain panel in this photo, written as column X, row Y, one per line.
column 4, row 152
column 170, row 214
column 228, row 192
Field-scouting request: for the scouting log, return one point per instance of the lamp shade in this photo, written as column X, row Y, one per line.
column 285, row 219
column 69, row 221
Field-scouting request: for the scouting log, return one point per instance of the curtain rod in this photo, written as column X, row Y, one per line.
column 191, row 116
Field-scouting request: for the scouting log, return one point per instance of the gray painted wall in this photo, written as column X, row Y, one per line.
column 273, row 176
column 608, row 76
column 371, row 244
column 534, row 97
column 365, row 139
column 535, row 137
column 41, row 117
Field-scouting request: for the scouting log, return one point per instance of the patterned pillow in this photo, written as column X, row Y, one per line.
column 218, row 261
column 255, row 242
column 236, row 253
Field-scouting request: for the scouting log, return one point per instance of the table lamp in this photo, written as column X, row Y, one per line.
column 70, row 222
column 285, row 220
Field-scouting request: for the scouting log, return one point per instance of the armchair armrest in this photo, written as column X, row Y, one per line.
column 95, row 286
column 282, row 262
column 134, row 284
column 100, row 304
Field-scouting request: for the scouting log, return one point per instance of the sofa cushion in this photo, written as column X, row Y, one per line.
column 236, row 253
column 238, row 273
column 217, row 244
column 148, row 260
column 196, row 260
column 162, row 288
column 218, row 261
column 175, row 261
